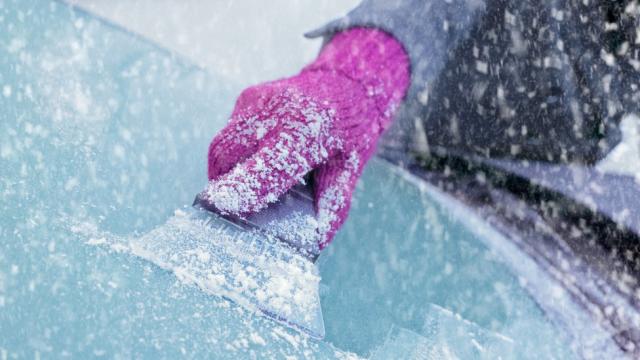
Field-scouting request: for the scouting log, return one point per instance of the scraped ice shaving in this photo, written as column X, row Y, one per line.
column 299, row 229
column 253, row 270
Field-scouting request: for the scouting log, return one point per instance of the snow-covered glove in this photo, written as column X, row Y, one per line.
column 327, row 118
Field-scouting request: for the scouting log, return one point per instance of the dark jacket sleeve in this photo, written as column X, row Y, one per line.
column 536, row 80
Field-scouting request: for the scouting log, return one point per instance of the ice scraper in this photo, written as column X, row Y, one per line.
column 264, row 262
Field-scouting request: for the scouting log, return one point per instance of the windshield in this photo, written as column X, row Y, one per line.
column 103, row 136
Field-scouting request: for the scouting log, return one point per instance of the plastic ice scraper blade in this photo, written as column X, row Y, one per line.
column 291, row 220
column 262, row 262
column 282, row 245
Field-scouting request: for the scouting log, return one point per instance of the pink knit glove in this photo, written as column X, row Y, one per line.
column 327, row 118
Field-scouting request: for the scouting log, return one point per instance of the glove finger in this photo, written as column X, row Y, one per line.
column 282, row 160
column 255, row 98
column 247, row 127
column 335, row 183
column 233, row 144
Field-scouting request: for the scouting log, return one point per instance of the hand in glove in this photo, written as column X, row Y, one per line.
column 327, row 119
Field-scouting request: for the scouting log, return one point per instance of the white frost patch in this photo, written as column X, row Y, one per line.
column 482, row 67
column 15, row 45
column 71, row 184
column 119, row 151
column 63, row 74
column 257, row 339
column 624, row 159
column 260, row 132
column 6, row 91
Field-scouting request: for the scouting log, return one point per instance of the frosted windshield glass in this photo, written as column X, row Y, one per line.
column 104, row 135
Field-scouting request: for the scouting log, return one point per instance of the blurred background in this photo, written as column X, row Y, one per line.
column 245, row 41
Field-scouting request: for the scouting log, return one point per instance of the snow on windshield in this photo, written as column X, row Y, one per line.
column 103, row 138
